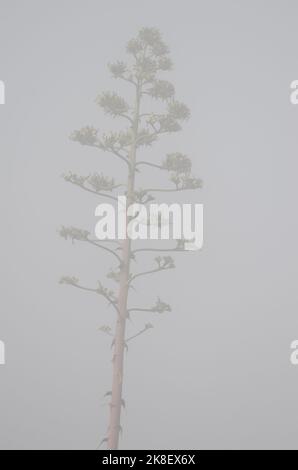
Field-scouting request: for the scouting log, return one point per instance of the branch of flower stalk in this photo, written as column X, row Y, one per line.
column 82, row 236
column 154, row 165
column 115, row 152
column 107, row 240
column 96, row 291
column 180, row 246
column 145, row 273
column 136, row 309
column 126, row 117
column 156, row 133
column 109, row 196
column 142, row 115
column 139, row 250
column 159, row 307
column 163, row 263
column 98, row 245
column 148, row 326
column 126, row 79
column 93, row 141
column 168, row 190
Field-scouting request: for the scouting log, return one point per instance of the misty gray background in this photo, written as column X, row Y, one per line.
column 214, row 373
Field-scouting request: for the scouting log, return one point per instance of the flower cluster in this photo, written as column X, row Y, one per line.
column 107, row 293
column 118, row 69
column 86, row 136
column 106, row 329
column 186, row 182
column 73, row 233
column 161, row 307
column 161, row 89
column 112, row 104
column 165, row 262
column 71, row 280
column 98, row 182
column 177, row 163
column 114, row 275
column 141, row 196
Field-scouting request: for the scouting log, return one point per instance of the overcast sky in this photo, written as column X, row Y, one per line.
column 215, row 372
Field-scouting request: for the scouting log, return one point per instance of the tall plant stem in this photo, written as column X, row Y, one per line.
column 119, row 344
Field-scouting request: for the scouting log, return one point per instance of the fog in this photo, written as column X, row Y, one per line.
column 215, row 372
